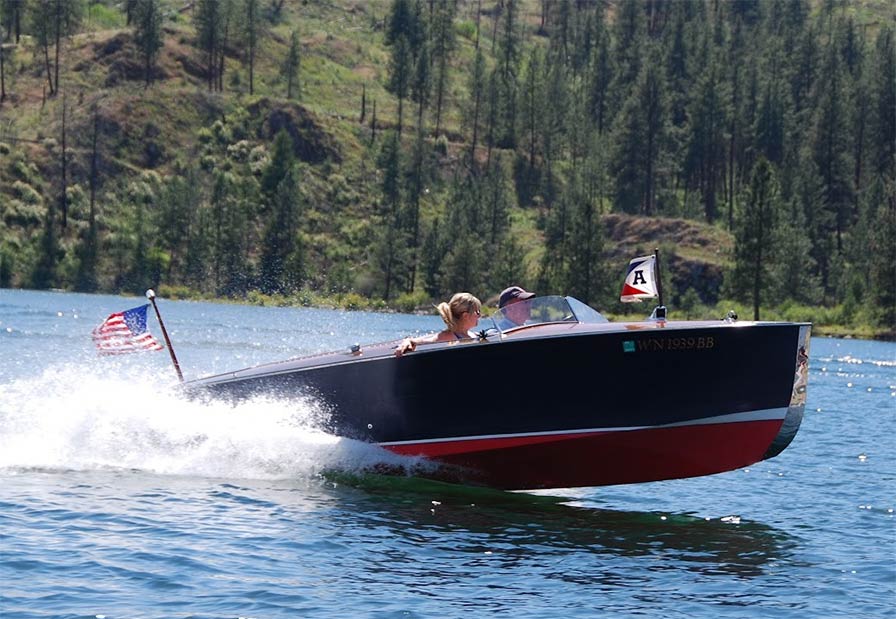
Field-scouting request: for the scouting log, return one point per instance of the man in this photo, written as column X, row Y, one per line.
column 515, row 313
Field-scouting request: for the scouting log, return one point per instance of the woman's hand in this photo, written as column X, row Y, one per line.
column 407, row 345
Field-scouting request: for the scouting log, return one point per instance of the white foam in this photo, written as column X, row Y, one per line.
column 81, row 418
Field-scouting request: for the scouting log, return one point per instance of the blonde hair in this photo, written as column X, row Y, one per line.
column 453, row 309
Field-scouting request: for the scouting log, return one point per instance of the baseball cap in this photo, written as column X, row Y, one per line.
column 514, row 292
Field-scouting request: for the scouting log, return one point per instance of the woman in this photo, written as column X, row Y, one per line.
column 460, row 314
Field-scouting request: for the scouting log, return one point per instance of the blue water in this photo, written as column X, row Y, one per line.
column 119, row 499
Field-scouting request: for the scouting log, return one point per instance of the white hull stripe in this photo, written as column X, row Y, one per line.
column 768, row 414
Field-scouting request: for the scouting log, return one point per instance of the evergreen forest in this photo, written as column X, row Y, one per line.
column 387, row 153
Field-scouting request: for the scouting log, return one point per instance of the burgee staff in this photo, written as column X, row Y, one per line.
column 151, row 295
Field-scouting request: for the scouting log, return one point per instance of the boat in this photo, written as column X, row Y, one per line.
column 565, row 399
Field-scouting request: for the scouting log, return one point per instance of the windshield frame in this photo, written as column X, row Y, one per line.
column 551, row 309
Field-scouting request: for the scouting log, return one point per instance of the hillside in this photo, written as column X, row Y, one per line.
column 112, row 183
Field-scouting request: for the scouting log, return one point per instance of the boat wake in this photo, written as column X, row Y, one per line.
column 76, row 418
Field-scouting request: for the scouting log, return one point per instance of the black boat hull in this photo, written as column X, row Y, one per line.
column 564, row 405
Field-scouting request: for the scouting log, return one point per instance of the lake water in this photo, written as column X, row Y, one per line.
column 119, row 499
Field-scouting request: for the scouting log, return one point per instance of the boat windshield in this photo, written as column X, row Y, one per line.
column 542, row 310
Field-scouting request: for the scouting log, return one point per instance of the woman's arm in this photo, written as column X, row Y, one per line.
column 409, row 344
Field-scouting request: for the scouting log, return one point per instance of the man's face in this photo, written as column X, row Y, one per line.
column 517, row 310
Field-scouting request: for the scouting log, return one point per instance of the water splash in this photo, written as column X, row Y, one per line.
column 82, row 418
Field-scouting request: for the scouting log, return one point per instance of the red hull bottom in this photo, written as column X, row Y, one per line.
column 600, row 458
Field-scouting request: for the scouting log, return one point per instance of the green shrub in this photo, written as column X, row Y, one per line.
column 22, row 214
column 21, row 170
column 441, row 146
column 239, row 151
column 410, row 302
column 466, row 29
column 352, row 301
column 26, row 193
column 207, row 163
column 221, row 132
column 205, row 135
column 168, row 291
column 104, row 17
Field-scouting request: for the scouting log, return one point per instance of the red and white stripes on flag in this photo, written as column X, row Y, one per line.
column 125, row 332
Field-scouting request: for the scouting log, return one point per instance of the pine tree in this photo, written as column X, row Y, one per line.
column 883, row 258
column 465, row 266
column 67, row 16
column 507, row 69
column 477, row 87
column 793, row 271
column 416, row 181
column 281, row 258
column 41, row 26
column 629, row 35
column 639, row 140
column 444, row 42
column 704, row 164
column 497, row 201
column 281, row 161
column 13, row 13
column 88, row 251
column 403, row 21
column 178, row 209
column 831, row 147
column 808, row 191
column 45, row 275
column 421, row 84
column 754, row 234
column 585, row 276
column 553, row 116
column 391, row 249
column 148, row 34
column 882, row 133
column 531, row 110
column 435, row 247
column 508, row 265
column 2, row 63
column 138, row 277
column 601, row 77
column 209, row 22
column 400, row 71
column 290, row 68
column 251, row 36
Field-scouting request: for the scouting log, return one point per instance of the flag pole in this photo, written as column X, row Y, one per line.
column 151, row 295
column 660, row 312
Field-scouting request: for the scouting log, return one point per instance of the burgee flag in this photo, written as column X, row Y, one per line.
column 640, row 283
column 125, row 332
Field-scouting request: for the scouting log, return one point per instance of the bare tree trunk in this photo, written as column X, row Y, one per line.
column 363, row 103
column 47, row 65
column 731, row 150
column 478, row 18
column 441, row 92
column 475, row 130
column 58, row 36
column 2, row 77
column 223, row 53
column 64, row 196
column 498, row 8
column 93, row 165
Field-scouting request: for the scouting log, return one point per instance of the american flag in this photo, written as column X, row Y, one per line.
column 125, row 332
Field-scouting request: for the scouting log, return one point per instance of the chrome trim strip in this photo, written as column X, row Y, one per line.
column 769, row 414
